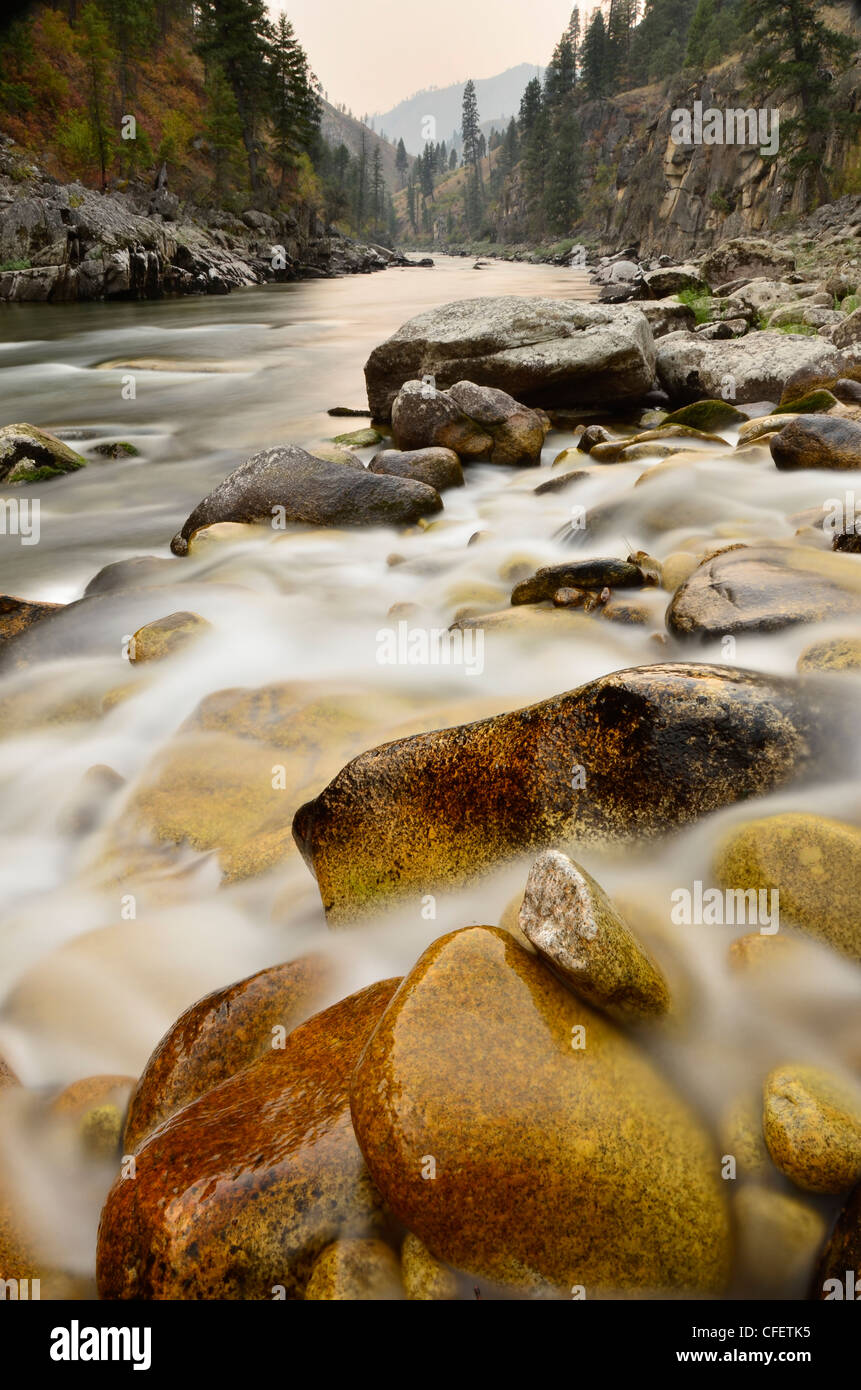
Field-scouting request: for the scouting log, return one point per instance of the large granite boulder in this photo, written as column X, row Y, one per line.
column 746, row 258
column 752, row 368
column 541, row 351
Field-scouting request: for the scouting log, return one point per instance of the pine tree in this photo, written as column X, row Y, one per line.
column 361, row 184
column 595, row 59
column 574, row 37
column 99, row 60
column 378, row 189
column 530, row 107
column 799, row 55
column 236, row 34
column 564, row 172
column 295, row 105
column 537, row 152
column 402, row 162
column 411, row 204
column 223, row 130
column 471, row 136
column 561, row 74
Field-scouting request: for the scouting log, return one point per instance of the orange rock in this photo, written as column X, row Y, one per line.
column 218, row 1036
column 237, row 1195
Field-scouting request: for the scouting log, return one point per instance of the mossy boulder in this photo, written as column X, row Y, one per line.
column 560, row 1156
column 811, row 403
column 632, row 754
column 32, row 455
column 118, row 449
column 219, row 1036
column 577, row 931
column 707, row 415
column 237, row 1195
column 359, row 439
column 812, row 1125
column 813, row 863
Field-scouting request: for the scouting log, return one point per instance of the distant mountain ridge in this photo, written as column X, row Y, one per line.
column 338, row 128
column 498, row 100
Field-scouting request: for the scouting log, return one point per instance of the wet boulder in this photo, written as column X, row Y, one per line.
column 632, row 754
column 561, row 1158
column 794, row 855
column 578, row 932
column 439, row 468
column 237, row 1195
column 219, row 1036
column 475, row 422
column 818, row 441
column 287, row 485
column 763, row 589
column 812, row 1126
column 580, row 574
column 542, row 351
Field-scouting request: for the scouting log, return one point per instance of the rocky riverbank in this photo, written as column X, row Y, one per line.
column 63, row 243
column 623, row 1060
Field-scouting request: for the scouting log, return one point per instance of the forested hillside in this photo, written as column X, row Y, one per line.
column 591, row 151
column 213, row 96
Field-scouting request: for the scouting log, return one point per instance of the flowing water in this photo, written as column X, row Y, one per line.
column 105, row 937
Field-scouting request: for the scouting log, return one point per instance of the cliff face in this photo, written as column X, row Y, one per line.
column 64, row 242
column 642, row 189
column 673, row 198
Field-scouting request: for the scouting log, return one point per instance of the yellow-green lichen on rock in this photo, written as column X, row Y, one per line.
column 355, row 1271
column 812, row 1126
column 632, row 754
column 577, row 932
column 814, row 863
column 524, row 1139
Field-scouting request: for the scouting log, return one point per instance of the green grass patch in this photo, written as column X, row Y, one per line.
column 699, row 302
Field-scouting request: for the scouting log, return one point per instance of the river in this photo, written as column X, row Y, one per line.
column 97, row 960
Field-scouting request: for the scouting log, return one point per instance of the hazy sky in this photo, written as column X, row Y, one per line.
column 370, row 54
